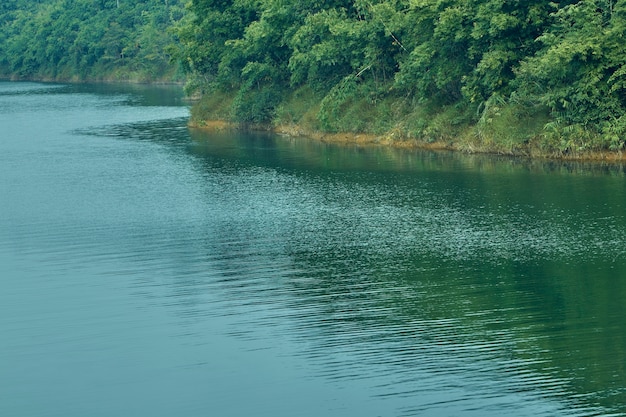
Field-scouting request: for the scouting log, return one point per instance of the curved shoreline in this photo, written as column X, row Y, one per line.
column 398, row 141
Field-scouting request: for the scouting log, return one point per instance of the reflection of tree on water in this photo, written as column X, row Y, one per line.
column 443, row 266
column 518, row 320
column 299, row 152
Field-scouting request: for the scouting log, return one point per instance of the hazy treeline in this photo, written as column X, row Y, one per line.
column 88, row 39
column 552, row 72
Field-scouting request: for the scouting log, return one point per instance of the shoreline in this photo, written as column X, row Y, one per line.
column 397, row 141
column 105, row 80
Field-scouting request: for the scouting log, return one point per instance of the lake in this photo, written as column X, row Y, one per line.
column 147, row 269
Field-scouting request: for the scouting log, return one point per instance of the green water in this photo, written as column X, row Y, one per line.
column 146, row 269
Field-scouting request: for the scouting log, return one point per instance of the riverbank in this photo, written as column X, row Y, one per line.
column 512, row 129
column 119, row 78
column 463, row 144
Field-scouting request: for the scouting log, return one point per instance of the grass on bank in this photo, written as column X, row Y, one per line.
column 499, row 126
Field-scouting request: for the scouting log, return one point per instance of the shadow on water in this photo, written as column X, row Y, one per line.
column 136, row 94
column 268, row 148
column 133, row 94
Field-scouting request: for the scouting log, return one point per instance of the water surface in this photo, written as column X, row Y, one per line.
column 146, row 269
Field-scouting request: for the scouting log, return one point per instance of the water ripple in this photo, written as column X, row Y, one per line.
column 301, row 282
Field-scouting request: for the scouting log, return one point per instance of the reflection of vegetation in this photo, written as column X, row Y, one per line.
column 140, row 94
column 589, row 329
column 560, row 327
column 315, row 154
column 490, row 262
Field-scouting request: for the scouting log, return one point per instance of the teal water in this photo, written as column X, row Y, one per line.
column 150, row 270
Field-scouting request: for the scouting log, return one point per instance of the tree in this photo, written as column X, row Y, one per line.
column 83, row 39
column 579, row 73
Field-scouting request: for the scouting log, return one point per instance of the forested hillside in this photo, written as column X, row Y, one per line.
column 88, row 39
column 486, row 74
column 497, row 74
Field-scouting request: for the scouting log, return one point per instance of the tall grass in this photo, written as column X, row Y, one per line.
column 503, row 126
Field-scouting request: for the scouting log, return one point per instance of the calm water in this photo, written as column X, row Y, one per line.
column 149, row 270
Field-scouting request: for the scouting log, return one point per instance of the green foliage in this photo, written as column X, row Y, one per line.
column 333, row 106
column 299, row 107
column 579, row 71
column 86, row 39
column 258, row 95
column 509, row 125
column 516, row 73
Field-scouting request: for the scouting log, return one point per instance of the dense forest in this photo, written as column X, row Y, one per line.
column 486, row 74
column 79, row 40
column 495, row 74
